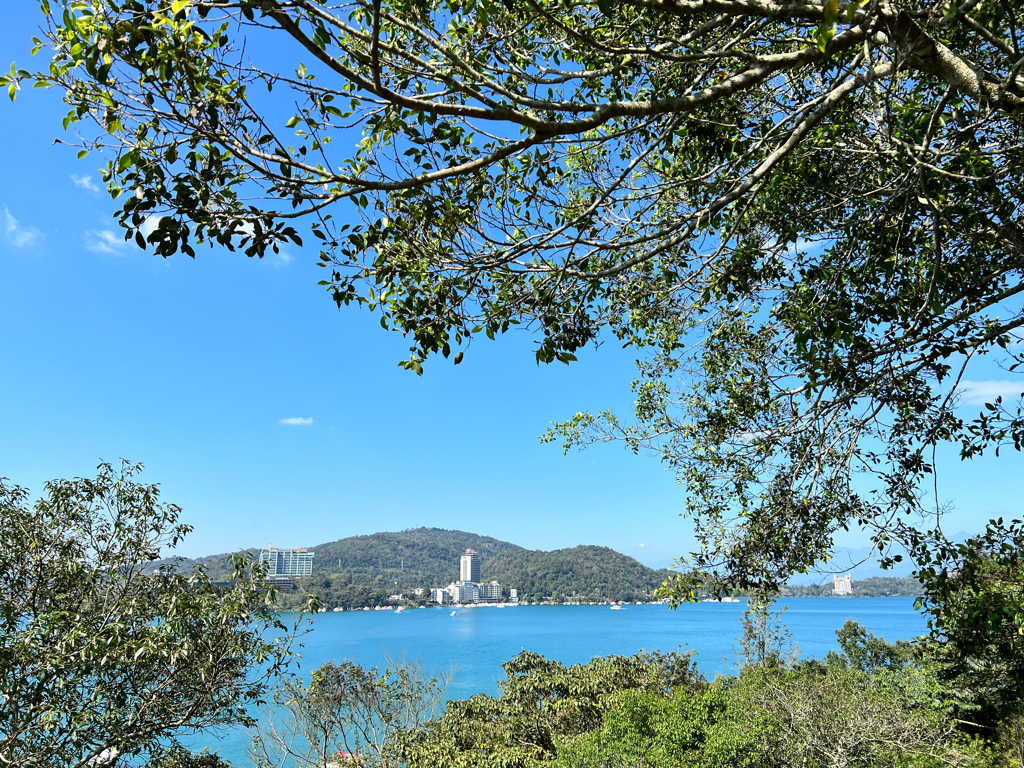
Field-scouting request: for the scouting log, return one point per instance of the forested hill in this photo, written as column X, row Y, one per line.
column 363, row 570
column 415, row 557
column 214, row 565
column 579, row 573
column 412, row 557
column 586, row 572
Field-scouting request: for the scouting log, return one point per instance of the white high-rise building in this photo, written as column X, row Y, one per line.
column 469, row 566
column 842, row 586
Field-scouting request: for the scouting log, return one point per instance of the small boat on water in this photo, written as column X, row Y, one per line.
column 453, row 613
column 399, row 609
column 616, row 607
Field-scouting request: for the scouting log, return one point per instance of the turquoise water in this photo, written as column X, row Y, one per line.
column 476, row 641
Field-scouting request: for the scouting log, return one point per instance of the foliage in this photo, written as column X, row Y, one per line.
column 975, row 602
column 541, row 701
column 337, row 592
column 690, row 729
column 416, row 556
column 179, row 757
column 97, row 658
column 612, row 713
column 347, row 715
column 860, row 649
column 766, row 639
column 847, row 717
column 810, row 212
column 676, row 669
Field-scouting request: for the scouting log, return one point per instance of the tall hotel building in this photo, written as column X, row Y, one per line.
column 287, row 562
column 469, row 569
column 842, row 586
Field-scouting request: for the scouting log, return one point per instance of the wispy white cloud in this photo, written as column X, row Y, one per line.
column 105, row 241
column 981, row 392
column 281, row 258
column 17, row 235
column 641, row 544
column 297, row 421
column 86, row 183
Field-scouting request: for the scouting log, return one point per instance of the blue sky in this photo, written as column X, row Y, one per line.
column 191, row 366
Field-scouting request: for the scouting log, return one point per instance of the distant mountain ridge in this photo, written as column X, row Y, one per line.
column 415, row 552
column 426, row 557
column 414, row 556
column 365, row 570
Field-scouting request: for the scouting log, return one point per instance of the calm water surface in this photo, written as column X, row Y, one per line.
column 476, row 641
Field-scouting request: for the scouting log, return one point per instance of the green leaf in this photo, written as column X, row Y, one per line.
column 831, row 11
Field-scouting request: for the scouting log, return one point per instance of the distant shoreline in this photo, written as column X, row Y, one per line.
column 740, row 599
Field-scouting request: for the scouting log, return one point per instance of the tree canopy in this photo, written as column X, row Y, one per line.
column 808, row 211
column 98, row 660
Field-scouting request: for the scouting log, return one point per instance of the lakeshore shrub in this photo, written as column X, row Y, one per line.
column 541, row 701
column 693, row 727
column 816, row 716
column 347, row 716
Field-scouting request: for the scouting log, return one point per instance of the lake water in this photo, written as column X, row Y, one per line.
column 476, row 641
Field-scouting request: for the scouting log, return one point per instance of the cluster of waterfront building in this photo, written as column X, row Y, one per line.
column 283, row 565
column 286, row 564
column 469, row 588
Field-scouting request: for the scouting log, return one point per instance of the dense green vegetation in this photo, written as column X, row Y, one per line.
column 414, row 557
column 583, row 573
column 579, row 573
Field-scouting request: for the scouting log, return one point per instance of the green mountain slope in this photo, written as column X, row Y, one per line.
column 415, row 557
column 585, row 572
column 214, row 565
column 420, row 557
